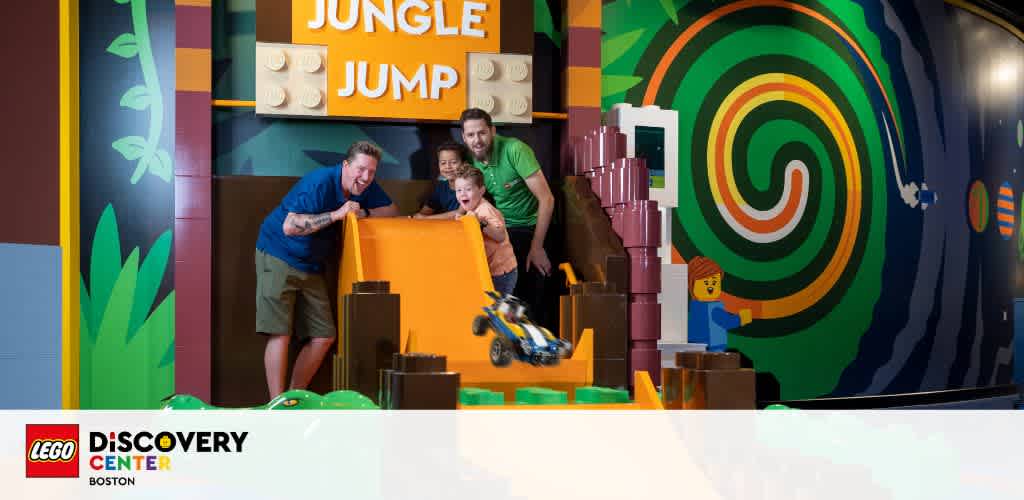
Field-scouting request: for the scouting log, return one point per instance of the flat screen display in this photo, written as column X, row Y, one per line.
column 650, row 145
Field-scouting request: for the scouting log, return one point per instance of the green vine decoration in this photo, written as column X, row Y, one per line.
column 151, row 158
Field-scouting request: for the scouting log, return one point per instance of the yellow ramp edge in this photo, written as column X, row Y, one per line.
column 440, row 270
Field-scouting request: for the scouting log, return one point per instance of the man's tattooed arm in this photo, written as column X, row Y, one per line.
column 306, row 224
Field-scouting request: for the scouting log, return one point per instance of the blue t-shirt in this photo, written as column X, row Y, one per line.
column 317, row 192
column 443, row 198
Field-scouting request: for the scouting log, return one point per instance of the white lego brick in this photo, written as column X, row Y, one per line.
column 627, row 117
column 669, row 349
column 501, row 85
column 675, row 302
column 665, row 250
column 291, row 80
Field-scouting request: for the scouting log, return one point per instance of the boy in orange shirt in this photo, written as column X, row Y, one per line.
column 469, row 190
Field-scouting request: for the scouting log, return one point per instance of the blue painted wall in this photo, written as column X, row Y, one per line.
column 30, row 360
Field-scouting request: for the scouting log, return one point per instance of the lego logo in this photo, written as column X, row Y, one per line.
column 52, row 450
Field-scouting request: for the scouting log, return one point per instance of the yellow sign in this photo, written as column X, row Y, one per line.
column 401, row 59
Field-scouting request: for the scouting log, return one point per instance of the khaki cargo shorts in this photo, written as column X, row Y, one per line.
column 289, row 301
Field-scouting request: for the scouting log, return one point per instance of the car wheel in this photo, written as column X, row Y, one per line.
column 480, row 325
column 501, row 351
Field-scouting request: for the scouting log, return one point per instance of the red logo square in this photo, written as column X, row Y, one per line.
column 51, row 450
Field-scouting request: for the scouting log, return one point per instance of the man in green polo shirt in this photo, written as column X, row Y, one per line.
column 521, row 192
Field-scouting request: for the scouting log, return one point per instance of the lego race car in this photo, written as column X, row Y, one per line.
column 516, row 336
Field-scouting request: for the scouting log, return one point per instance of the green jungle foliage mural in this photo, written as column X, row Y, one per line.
column 127, row 203
column 127, row 352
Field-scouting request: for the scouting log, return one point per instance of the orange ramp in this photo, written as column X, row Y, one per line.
column 439, row 269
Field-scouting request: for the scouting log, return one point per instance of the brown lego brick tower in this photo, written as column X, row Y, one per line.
column 419, row 381
column 594, row 305
column 370, row 336
column 708, row 381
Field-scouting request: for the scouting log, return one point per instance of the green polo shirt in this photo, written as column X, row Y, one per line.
column 511, row 162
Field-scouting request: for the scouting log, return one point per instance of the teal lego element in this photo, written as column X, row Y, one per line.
column 288, row 400
column 474, row 396
column 777, row 407
column 540, row 396
column 600, row 395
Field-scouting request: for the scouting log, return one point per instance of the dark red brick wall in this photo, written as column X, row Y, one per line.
column 29, row 126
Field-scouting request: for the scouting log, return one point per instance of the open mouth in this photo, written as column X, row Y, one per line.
column 711, row 290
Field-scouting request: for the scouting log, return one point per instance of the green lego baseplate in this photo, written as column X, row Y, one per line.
column 540, row 396
column 475, row 396
column 601, row 395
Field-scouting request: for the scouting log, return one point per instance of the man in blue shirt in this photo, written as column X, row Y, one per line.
column 294, row 243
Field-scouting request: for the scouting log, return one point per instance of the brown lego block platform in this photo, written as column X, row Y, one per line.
column 424, row 391
column 718, row 389
column 701, row 360
column 708, row 381
column 415, row 362
column 672, row 388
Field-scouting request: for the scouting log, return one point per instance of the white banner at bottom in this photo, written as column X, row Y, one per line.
column 510, row 454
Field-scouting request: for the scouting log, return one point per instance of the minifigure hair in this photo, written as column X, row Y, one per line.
column 701, row 267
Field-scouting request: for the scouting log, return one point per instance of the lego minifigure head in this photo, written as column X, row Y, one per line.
column 705, row 279
column 469, row 187
column 359, row 167
column 477, row 132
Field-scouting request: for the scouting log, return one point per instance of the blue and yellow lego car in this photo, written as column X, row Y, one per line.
column 516, row 336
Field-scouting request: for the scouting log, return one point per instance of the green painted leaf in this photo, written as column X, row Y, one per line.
column 130, row 147
column 613, row 48
column 168, row 358
column 670, row 9
column 543, row 22
column 154, row 343
column 85, row 346
column 151, row 274
column 136, row 98
column 616, row 84
column 124, row 45
column 84, row 311
column 104, row 264
column 163, row 167
column 114, row 368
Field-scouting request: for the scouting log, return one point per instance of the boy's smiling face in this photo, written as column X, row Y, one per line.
column 468, row 194
column 448, row 162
